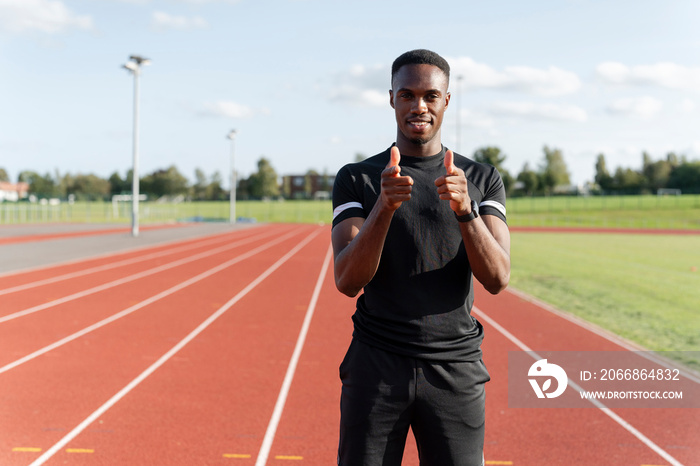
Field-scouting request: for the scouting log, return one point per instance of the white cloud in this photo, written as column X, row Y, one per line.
column 639, row 107
column 226, row 109
column 536, row 111
column 666, row 74
column 162, row 21
column 552, row 81
column 48, row 16
column 366, row 86
column 369, row 85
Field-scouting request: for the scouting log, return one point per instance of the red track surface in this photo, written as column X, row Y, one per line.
column 191, row 370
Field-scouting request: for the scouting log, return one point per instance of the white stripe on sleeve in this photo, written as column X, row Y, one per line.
column 346, row 206
column 496, row 205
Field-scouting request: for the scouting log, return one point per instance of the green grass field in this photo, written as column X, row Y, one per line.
column 641, row 287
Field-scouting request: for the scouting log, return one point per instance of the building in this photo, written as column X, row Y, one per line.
column 309, row 186
column 13, row 192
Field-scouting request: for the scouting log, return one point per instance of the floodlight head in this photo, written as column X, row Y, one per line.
column 140, row 60
column 232, row 134
column 130, row 65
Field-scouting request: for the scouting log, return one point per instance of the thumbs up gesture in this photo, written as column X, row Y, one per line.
column 453, row 186
column 395, row 188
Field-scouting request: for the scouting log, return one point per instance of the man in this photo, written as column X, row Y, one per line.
column 410, row 227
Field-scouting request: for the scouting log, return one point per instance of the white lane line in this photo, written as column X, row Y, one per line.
column 163, row 359
column 129, row 278
column 144, row 303
column 291, row 369
column 641, row 437
column 113, row 265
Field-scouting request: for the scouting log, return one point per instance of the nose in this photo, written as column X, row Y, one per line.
column 419, row 106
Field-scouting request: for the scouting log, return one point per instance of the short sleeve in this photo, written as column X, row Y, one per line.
column 494, row 201
column 347, row 203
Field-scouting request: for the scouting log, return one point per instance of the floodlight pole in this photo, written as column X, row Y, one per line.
column 134, row 66
column 232, row 212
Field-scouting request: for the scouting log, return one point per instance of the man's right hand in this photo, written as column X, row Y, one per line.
column 395, row 188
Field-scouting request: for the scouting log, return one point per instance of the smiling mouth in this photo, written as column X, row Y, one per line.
column 418, row 124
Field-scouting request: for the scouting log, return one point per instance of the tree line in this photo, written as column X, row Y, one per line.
column 168, row 182
column 549, row 176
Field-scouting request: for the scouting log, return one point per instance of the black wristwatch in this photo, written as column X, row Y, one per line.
column 470, row 216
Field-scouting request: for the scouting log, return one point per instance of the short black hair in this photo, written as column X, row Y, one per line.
column 420, row 57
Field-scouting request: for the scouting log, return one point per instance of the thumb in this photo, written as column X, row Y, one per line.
column 450, row 163
column 394, row 158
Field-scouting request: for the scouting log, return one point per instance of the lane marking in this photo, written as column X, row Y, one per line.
column 286, row 384
column 112, row 265
column 284, row 457
column 79, row 450
column 144, row 303
column 163, row 359
column 236, row 455
column 27, row 449
column 641, row 437
column 498, row 462
column 127, row 279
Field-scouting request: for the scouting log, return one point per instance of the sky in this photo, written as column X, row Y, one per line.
column 305, row 82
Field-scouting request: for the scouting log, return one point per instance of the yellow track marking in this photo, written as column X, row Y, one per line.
column 80, row 450
column 283, row 457
column 236, row 455
column 499, row 462
column 29, row 449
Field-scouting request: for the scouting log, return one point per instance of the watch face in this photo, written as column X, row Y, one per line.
column 475, row 208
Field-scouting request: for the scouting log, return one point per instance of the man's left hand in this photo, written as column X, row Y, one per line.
column 453, row 187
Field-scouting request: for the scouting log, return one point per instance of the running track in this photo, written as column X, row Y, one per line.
column 225, row 349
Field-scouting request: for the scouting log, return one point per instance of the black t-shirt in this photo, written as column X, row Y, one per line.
column 419, row 301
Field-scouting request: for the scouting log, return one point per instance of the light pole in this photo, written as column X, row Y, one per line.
column 134, row 66
column 232, row 212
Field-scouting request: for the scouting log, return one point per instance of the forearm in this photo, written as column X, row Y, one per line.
column 489, row 257
column 357, row 260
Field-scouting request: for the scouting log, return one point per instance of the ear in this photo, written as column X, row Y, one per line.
column 447, row 100
column 391, row 98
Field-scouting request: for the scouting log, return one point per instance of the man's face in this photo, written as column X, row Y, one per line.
column 419, row 97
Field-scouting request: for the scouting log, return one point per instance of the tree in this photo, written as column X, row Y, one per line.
column 40, row 186
column 263, row 183
column 88, row 187
column 199, row 189
column 628, row 180
column 529, row 179
column 602, row 175
column 3, row 175
column 309, row 184
column 117, row 185
column 169, row 182
column 553, row 170
column 214, row 190
column 491, row 155
column 686, row 177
